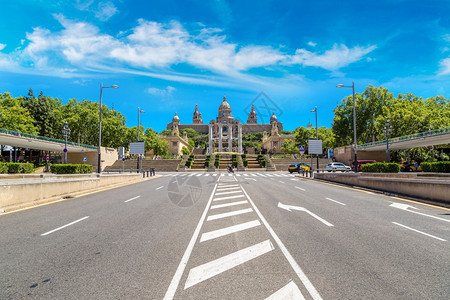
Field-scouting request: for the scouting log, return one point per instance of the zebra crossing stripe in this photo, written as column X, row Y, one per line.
column 229, row 214
column 228, row 230
column 229, row 197
column 229, row 192
column 229, row 204
column 289, row 291
column 225, row 263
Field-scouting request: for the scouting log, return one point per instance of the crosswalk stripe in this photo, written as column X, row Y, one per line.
column 229, row 204
column 228, row 230
column 229, row 197
column 245, row 175
column 229, row 192
column 227, row 188
column 229, row 214
column 200, row 174
column 225, row 263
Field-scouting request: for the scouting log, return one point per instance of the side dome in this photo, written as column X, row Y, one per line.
column 273, row 118
column 176, row 118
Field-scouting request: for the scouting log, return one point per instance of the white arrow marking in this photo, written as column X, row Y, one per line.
column 289, row 292
column 225, row 263
column 406, row 206
column 289, row 207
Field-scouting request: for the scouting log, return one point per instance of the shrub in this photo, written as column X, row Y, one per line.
column 438, row 167
column 14, row 168
column 71, row 169
column 245, row 162
column 3, row 168
column 381, row 168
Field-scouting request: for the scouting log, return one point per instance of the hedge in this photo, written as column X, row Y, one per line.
column 438, row 167
column 14, row 168
column 71, row 169
column 381, row 168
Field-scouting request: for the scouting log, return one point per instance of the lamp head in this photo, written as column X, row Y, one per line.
column 340, row 85
column 114, row 86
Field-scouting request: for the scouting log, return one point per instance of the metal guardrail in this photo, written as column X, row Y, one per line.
column 43, row 138
column 408, row 137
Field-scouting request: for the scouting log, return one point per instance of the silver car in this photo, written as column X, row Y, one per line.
column 337, row 166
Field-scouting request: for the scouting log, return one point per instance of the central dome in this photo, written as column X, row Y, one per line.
column 224, row 105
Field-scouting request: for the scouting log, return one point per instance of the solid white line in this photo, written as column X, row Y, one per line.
column 229, row 197
column 131, row 199
column 184, row 260
column 435, row 237
column 225, row 263
column 229, row 192
column 229, row 214
column 336, row 201
column 51, row 231
column 228, row 204
column 228, row 230
column 159, row 188
column 301, row 275
column 300, row 188
column 289, row 291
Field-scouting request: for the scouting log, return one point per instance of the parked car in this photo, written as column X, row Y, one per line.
column 337, row 166
column 298, row 167
column 363, row 162
column 410, row 168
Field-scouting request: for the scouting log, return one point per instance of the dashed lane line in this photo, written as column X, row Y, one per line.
column 64, row 226
column 335, row 201
column 134, row 198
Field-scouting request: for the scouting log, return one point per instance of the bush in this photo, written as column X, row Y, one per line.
column 245, row 162
column 438, row 167
column 14, row 168
column 71, row 169
column 3, row 168
column 217, row 161
column 381, row 168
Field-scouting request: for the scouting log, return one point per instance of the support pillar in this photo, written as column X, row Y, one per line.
column 240, row 138
column 210, row 139
column 220, row 137
column 230, row 138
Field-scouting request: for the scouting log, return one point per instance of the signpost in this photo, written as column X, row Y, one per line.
column 137, row 148
column 314, row 147
column 301, row 149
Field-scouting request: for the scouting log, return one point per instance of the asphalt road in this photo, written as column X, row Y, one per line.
column 243, row 236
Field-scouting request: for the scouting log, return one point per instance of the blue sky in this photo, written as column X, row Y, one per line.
column 166, row 56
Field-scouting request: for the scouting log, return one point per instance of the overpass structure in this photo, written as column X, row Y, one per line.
column 422, row 139
column 36, row 142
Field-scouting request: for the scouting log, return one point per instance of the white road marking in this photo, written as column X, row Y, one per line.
column 238, row 175
column 336, row 201
column 206, row 174
column 131, row 199
column 229, row 192
column 254, row 175
column 289, row 207
column 281, row 181
column 199, row 174
column 252, row 179
column 59, row 228
column 293, row 179
column 262, row 175
column 184, row 260
column 214, row 174
column 225, row 263
column 406, row 206
column 229, row 214
column 159, row 188
column 289, row 292
column 246, row 175
column 228, row 230
column 435, row 237
column 301, row 275
column 226, row 188
column 190, row 175
column 300, row 188
column 229, row 197
column 224, row 185
column 228, row 204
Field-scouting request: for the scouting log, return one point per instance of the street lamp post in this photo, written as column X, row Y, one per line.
column 317, row 136
column 139, row 129
column 387, row 131
column 99, row 166
column 355, row 163
column 66, row 134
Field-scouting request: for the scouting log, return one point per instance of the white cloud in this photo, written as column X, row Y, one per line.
column 334, row 59
column 2, row 46
column 105, row 11
column 445, row 66
column 312, row 44
column 163, row 93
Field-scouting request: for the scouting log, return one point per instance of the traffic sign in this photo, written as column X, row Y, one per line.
column 301, row 149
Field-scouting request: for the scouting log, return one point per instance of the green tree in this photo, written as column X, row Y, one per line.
column 15, row 116
column 289, row 147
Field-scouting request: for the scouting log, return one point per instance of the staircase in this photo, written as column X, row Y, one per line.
column 253, row 162
column 199, row 162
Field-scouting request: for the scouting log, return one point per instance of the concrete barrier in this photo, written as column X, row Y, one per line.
column 427, row 188
column 33, row 190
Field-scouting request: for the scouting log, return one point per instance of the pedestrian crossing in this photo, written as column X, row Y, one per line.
column 216, row 175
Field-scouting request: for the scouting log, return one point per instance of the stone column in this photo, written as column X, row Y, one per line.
column 240, row 138
column 220, row 137
column 210, row 139
column 230, row 138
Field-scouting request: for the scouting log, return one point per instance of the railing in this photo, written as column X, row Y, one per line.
column 43, row 138
column 408, row 137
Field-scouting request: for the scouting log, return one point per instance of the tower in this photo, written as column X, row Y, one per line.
column 197, row 118
column 252, row 119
